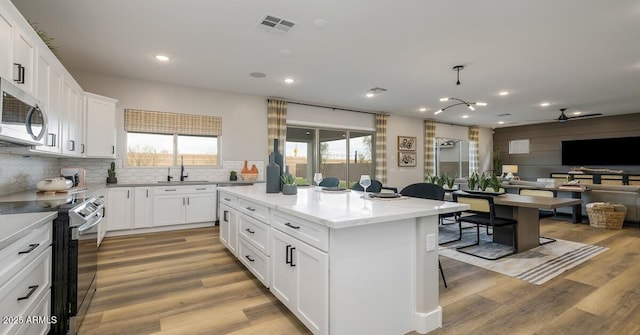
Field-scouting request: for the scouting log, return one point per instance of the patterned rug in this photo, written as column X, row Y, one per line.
column 535, row 266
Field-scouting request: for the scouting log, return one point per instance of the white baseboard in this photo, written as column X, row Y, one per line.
column 159, row 229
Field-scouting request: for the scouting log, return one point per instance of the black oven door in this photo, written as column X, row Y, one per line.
column 83, row 265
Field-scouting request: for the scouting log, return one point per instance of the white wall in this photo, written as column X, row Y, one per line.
column 244, row 117
column 404, row 126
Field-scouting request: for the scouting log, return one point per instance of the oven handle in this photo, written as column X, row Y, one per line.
column 89, row 225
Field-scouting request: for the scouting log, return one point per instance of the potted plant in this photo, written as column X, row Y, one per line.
column 483, row 182
column 472, row 181
column 441, row 181
column 431, row 179
column 497, row 162
column 111, row 179
column 495, row 184
column 289, row 186
column 451, row 183
column 233, row 175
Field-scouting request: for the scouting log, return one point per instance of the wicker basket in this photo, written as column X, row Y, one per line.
column 249, row 176
column 607, row 215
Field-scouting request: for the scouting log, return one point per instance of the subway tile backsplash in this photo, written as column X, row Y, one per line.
column 21, row 173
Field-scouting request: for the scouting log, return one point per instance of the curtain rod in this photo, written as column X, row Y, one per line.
column 328, row 107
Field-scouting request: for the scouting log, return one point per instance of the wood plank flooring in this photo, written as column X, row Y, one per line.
column 186, row 282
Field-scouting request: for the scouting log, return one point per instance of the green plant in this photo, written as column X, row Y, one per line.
column 234, row 173
column 288, row 179
column 495, row 183
column 483, row 182
column 112, row 170
column 472, row 181
column 431, row 179
column 48, row 40
column 442, row 180
column 451, row 181
column 497, row 162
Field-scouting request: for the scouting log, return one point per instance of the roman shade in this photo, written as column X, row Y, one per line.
column 142, row 121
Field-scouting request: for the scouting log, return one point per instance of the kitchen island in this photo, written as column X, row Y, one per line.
column 343, row 264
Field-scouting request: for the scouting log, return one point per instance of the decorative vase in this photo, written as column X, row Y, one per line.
column 112, row 180
column 277, row 158
column 233, row 177
column 249, row 174
column 273, row 177
column 289, row 189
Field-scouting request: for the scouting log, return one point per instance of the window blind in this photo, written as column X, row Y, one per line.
column 142, row 121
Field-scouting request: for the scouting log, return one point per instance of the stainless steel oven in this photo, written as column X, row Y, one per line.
column 83, row 258
column 23, row 122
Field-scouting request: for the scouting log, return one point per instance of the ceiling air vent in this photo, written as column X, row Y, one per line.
column 377, row 90
column 274, row 24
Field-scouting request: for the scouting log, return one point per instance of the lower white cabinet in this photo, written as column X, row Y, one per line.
column 120, row 208
column 300, row 279
column 229, row 227
column 143, row 207
column 256, row 261
column 184, row 204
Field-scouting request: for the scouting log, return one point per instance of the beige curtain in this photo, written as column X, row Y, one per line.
column 276, row 124
column 142, row 121
column 429, row 147
column 381, row 148
column 474, row 163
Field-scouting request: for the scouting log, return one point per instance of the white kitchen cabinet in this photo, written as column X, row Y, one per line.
column 229, row 227
column 120, row 208
column 48, row 91
column 184, row 204
column 300, row 279
column 103, row 194
column 100, row 126
column 6, row 46
column 143, row 207
column 72, row 118
column 24, row 56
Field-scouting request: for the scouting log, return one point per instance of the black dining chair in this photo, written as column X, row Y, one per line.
column 482, row 213
column 542, row 213
column 330, row 182
column 427, row 191
column 376, row 187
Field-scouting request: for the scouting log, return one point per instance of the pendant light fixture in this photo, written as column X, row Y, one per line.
column 459, row 102
column 458, row 68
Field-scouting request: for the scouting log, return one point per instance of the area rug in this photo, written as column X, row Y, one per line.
column 535, row 266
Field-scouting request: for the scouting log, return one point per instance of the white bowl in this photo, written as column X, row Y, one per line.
column 54, row 184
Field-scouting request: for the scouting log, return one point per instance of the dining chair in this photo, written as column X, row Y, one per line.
column 542, row 213
column 330, row 182
column 376, row 187
column 427, row 191
column 482, row 213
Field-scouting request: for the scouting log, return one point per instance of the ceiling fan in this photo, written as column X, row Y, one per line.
column 564, row 118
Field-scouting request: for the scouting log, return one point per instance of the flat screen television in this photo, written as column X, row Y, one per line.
column 601, row 151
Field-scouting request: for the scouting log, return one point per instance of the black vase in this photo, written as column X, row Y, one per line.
column 278, row 159
column 273, row 177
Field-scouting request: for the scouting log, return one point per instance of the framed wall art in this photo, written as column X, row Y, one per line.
column 407, row 158
column 407, row 143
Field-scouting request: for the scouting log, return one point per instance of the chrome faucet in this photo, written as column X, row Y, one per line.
column 182, row 176
column 169, row 175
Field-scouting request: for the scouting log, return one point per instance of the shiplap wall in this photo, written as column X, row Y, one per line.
column 546, row 142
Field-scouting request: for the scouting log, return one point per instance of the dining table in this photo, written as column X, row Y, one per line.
column 524, row 209
column 575, row 191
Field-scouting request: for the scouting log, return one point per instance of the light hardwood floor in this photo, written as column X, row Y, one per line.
column 185, row 282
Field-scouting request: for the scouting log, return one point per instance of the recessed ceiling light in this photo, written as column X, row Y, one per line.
column 422, row 109
column 369, row 95
column 544, row 104
column 162, row 58
column 500, row 122
column 285, row 52
column 320, row 23
column 577, row 113
column 257, row 74
column 465, row 116
column 504, row 93
column 289, row 80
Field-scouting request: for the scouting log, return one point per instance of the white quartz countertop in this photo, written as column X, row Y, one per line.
column 343, row 209
column 15, row 226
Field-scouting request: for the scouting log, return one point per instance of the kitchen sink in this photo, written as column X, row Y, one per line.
column 185, row 182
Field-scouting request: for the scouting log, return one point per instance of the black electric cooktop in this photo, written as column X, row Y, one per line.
column 35, row 206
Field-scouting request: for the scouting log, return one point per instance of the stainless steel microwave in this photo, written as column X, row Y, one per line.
column 23, row 121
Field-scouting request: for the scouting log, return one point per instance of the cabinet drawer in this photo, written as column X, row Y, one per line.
column 19, row 253
column 23, row 291
column 42, row 313
column 253, row 209
column 256, row 232
column 185, row 189
column 254, row 260
column 309, row 232
column 229, row 200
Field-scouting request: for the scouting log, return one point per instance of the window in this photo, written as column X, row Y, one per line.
column 452, row 157
column 519, row 146
column 344, row 154
column 166, row 139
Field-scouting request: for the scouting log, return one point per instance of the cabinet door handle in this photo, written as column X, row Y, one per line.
column 82, row 146
column 224, row 216
column 188, row 202
column 128, row 194
column 249, row 258
column 291, row 257
column 170, row 190
column 72, row 145
column 21, row 75
column 251, row 209
column 291, row 226
column 201, row 189
column 113, row 149
column 31, row 248
column 147, row 193
column 227, row 199
column 31, row 290
column 250, row 231
column 183, row 202
column 52, row 138
column 286, row 254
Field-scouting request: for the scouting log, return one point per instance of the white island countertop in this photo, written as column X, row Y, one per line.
column 343, row 209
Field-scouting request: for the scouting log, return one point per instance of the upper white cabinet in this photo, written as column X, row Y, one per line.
column 17, row 50
column 48, row 90
column 71, row 118
column 100, row 126
column 6, row 46
column 24, row 55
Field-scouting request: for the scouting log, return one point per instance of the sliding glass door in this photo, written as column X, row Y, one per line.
column 340, row 153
